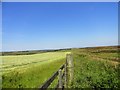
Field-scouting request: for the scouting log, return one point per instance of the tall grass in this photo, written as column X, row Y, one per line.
column 91, row 73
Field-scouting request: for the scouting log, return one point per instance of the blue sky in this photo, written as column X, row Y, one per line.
column 35, row 26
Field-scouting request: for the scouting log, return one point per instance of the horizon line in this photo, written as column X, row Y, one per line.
column 57, row 48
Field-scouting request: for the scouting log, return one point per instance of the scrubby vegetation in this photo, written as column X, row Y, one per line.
column 96, row 68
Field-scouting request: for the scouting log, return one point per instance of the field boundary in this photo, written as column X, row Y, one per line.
column 64, row 73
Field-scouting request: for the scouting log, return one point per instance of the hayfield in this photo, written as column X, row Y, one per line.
column 30, row 71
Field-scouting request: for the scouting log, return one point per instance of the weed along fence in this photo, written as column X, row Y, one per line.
column 64, row 75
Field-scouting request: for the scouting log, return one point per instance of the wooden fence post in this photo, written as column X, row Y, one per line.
column 70, row 67
column 65, row 75
column 60, row 79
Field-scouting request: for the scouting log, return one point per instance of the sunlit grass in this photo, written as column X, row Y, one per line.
column 32, row 75
column 90, row 72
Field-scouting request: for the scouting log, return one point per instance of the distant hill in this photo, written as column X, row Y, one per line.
column 29, row 52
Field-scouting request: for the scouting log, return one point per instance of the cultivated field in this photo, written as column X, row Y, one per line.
column 93, row 68
column 30, row 71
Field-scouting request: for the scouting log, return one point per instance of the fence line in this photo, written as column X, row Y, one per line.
column 62, row 74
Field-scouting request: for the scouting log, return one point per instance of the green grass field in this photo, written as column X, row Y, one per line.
column 30, row 71
column 93, row 68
